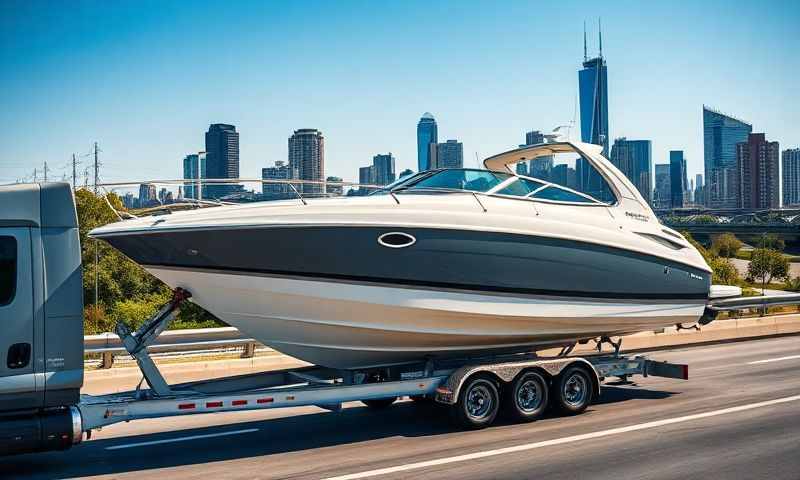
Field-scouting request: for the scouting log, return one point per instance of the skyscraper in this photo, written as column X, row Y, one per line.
column 634, row 159
column 449, row 155
column 721, row 133
column 194, row 168
column 384, row 168
column 677, row 178
column 222, row 158
column 534, row 137
column 539, row 167
column 277, row 191
column 699, row 191
column 593, row 92
column 757, row 162
column 147, row 195
column 661, row 194
column 307, row 158
column 791, row 177
column 427, row 134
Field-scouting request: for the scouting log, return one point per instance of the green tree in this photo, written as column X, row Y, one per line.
column 770, row 240
column 726, row 245
column 725, row 272
column 767, row 264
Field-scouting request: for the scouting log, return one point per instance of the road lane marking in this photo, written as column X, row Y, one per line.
column 770, row 360
column 181, row 439
column 560, row 441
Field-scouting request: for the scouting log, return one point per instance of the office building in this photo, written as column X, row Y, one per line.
column 791, row 177
column 384, row 169
column 593, row 95
column 758, row 173
column 721, row 134
column 194, row 169
column 634, row 159
column 699, row 191
column 522, row 168
column 661, row 194
column 147, row 195
column 222, row 159
column 538, row 167
column 427, row 135
column 307, row 158
column 448, row 155
column 534, row 137
column 677, row 178
column 279, row 172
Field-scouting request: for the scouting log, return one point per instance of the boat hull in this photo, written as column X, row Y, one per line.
column 349, row 325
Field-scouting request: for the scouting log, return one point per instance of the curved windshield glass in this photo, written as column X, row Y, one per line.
column 522, row 187
column 558, row 195
column 399, row 183
column 574, row 173
column 461, row 179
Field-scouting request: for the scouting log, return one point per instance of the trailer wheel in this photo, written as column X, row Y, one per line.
column 572, row 391
column 527, row 398
column 478, row 403
column 379, row 403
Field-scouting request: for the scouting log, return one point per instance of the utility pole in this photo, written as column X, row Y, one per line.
column 74, row 184
column 35, row 176
column 45, row 172
column 96, row 168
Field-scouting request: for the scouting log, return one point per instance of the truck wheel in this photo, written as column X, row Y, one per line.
column 378, row 403
column 527, row 398
column 572, row 391
column 478, row 403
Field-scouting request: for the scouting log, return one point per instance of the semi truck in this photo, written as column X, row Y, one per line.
column 41, row 343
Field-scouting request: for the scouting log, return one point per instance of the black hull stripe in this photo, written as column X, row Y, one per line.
column 443, row 285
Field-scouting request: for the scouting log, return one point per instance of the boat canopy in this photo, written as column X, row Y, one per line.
column 502, row 161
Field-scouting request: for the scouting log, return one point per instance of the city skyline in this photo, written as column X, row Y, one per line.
column 122, row 92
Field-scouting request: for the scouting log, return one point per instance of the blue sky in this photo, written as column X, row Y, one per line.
column 145, row 79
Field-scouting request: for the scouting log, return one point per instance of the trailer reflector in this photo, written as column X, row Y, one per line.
column 213, row 404
column 185, row 406
column 265, row 400
column 238, row 403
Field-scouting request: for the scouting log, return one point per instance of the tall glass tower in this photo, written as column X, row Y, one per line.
column 427, row 134
column 721, row 133
column 593, row 94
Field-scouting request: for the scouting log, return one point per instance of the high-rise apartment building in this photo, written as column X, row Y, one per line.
column 593, row 94
column 757, row 162
column 634, row 159
column 449, row 154
column 791, row 177
column 677, row 178
column 661, row 194
column 280, row 171
column 222, row 158
column 427, row 135
column 307, row 158
column 384, row 168
column 194, row 169
column 721, row 134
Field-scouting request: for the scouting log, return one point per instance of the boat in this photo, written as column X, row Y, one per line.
column 443, row 263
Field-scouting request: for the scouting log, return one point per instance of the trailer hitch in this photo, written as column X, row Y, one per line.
column 136, row 342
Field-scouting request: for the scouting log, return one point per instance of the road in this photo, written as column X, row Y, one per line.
column 732, row 419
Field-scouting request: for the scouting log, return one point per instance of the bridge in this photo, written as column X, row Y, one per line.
column 748, row 226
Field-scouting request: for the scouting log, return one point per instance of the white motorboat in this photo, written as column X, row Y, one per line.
column 448, row 262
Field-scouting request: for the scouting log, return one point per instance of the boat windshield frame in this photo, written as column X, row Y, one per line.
column 405, row 187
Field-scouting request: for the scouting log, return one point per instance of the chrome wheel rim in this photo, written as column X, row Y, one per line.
column 529, row 396
column 479, row 401
column 575, row 390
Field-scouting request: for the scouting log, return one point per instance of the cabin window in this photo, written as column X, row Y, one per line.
column 462, row 179
column 573, row 171
column 8, row 269
column 522, row 187
column 558, row 195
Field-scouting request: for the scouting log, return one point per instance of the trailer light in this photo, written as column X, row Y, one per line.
column 185, row 406
column 213, row 404
column 289, row 397
column 238, row 403
column 265, row 400
column 444, row 391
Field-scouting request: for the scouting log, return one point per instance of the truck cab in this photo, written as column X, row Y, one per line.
column 41, row 313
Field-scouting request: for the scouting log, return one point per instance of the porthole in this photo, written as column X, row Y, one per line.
column 396, row 240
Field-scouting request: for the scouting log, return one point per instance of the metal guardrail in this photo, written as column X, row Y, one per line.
column 109, row 344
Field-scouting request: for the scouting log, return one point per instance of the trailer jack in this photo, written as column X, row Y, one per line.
column 136, row 342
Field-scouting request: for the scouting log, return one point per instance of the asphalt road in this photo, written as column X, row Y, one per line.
column 733, row 419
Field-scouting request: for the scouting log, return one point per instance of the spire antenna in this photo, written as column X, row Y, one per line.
column 600, row 35
column 585, row 55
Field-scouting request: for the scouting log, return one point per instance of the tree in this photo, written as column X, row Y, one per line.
column 726, row 245
column 725, row 272
column 766, row 264
column 770, row 240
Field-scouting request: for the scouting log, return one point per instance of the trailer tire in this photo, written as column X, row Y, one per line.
column 478, row 402
column 527, row 397
column 379, row 403
column 571, row 391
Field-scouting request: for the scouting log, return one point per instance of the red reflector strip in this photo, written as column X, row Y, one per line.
column 185, row 406
column 265, row 400
column 237, row 403
column 213, row 404
column 686, row 372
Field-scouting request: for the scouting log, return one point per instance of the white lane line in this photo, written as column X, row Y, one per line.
column 181, row 439
column 770, row 360
column 560, row 441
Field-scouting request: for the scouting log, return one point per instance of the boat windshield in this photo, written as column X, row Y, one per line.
column 472, row 180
